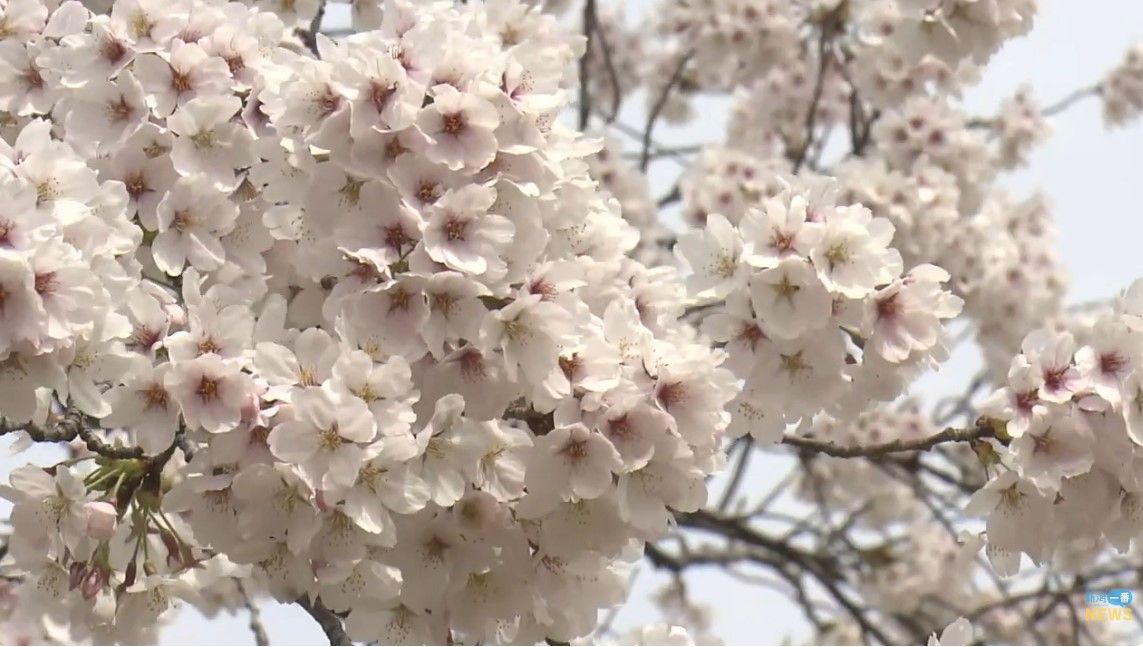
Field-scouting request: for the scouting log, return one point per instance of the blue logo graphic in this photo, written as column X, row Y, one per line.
column 1111, row 598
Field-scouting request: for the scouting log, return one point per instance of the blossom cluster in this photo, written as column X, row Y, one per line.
column 626, row 184
column 928, row 173
column 728, row 181
column 1122, row 89
column 1069, row 482
column 814, row 307
column 919, row 160
column 65, row 244
column 377, row 295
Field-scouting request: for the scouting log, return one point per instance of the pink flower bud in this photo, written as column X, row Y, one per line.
column 94, row 582
column 174, row 552
column 101, row 520
column 76, row 572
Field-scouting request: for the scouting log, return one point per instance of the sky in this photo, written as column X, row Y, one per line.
column 1091, row 178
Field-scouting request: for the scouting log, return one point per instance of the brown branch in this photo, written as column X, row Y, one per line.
column 309, row 36
column 657, row 109
column 812, row 113
column 1125, row 575
column 98, row 446
column 859, row 124
column 982, row 430
column 739, row 471
column 1071, row 99
column 609, row 64
column 947, row 409
column 256, row 626
column 584, row 66
column 1050, row 110
column 184, row 443
column 672, row 196
column 71, row 425
column 677, row 152
column 329, row 621
column 819, row 566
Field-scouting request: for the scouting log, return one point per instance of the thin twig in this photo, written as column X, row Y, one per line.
column 1051, row 110
column 584, row 66
column 778, row 490
column 1125, row 574
column 309, row 36
column 1071, row 99
column 677, row 154
column 609, row 64
column 605, row 626
column 812, row 112
column 948, row 409
column 657, row 109
column 859, row 125
column 259, row 631
column 739, row 471
column 821, row 567
column 672, row 196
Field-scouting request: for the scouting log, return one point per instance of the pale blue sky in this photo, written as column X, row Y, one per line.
column 1092, row 179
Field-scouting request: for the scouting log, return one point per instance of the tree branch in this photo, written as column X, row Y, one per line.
column 584, row 67
column 1071, row 99
column 309, row 36
column 678, row 153
column 812, row 113
column 71, row 425
column 256, row 626
column 1050, row 110
column 657, row 109
column 329, row 622
column 983, row 429
column 739, row 471
column 612, row 74
column 97, row 446
column 820, row 567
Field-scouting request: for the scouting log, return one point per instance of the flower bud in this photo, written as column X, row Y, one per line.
column 93, row 582
column 102, row 520
column 75, row 574
column 174, row 554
